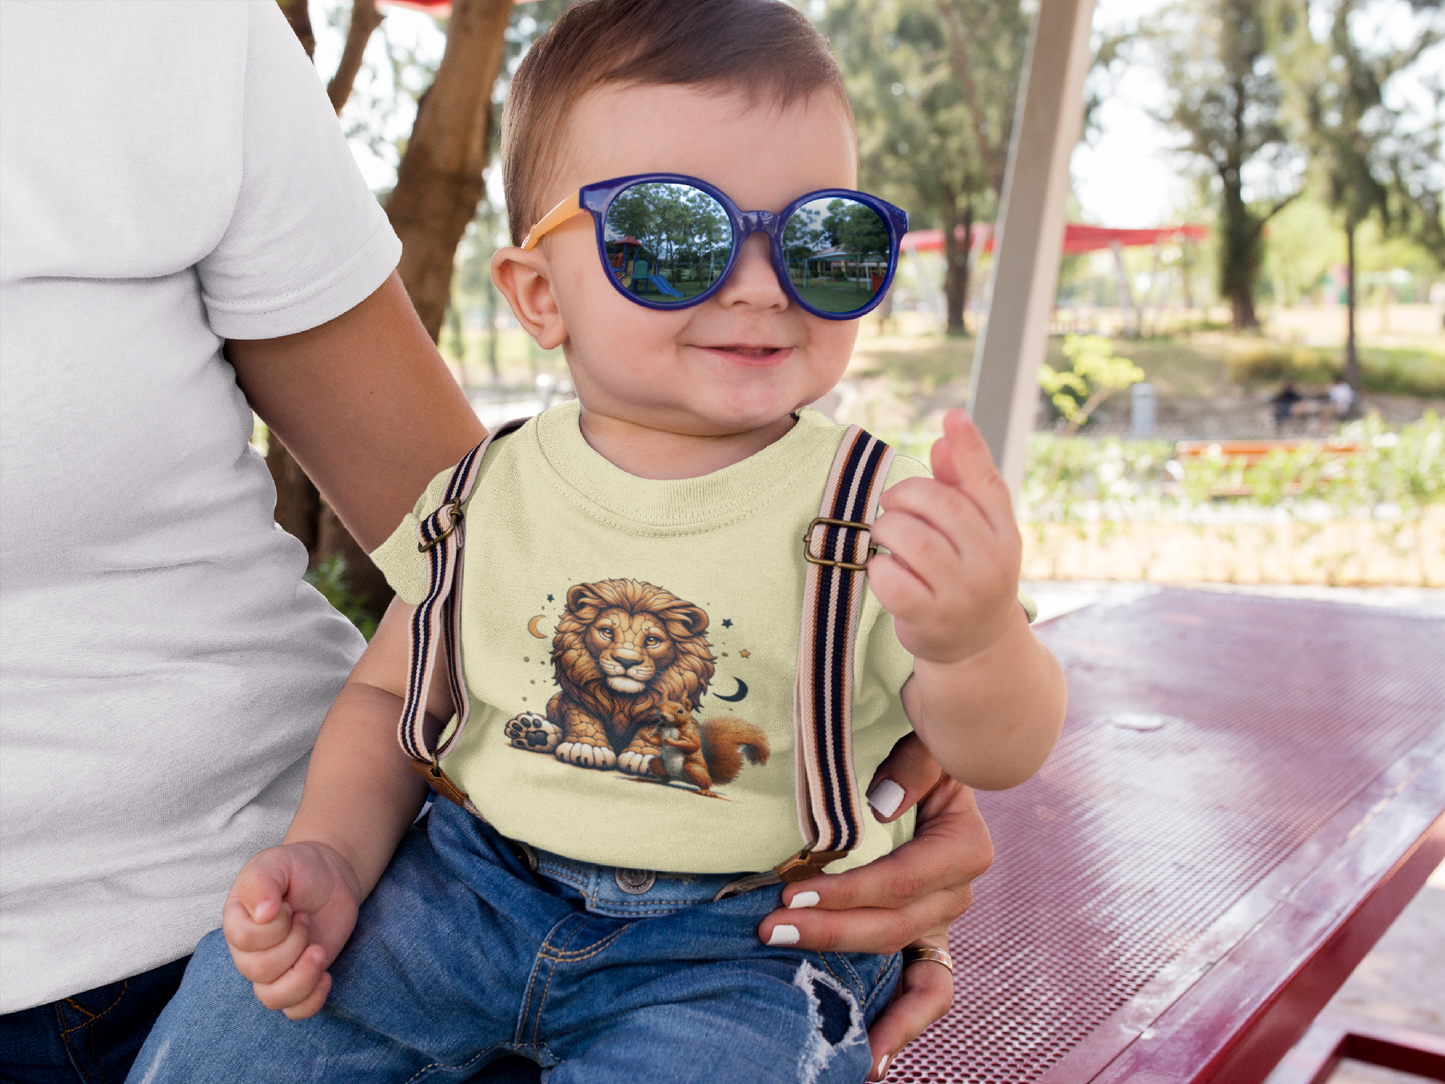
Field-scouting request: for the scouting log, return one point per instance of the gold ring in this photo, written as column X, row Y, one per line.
column 937, row 955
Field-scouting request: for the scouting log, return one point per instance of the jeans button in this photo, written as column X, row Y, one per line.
column 635, row 881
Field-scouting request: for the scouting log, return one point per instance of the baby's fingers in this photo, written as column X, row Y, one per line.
column 312, row 1005
column 271, row 964
column 256, row 916
column 297, row 988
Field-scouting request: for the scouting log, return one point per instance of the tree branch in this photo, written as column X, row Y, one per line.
column 298, row 14
column 364, row 20
column 439, row 181
column 958, row 55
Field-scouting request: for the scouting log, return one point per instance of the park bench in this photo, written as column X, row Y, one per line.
column 1247, row 791
column 1249, row 453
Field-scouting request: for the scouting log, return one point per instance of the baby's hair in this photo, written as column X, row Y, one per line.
column 764, row 49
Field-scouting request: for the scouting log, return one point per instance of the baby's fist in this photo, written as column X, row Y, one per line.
column 950, row 578
column 289, row 913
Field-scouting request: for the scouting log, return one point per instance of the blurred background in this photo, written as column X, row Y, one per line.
column 1255, row 213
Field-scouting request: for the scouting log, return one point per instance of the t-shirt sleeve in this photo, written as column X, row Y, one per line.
column 403, row 565
column 307, row 241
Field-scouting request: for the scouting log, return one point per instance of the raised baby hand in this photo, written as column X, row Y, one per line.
column 287, row 917
column 950, row 578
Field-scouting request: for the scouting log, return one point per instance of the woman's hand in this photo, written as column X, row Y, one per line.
column 909, row 897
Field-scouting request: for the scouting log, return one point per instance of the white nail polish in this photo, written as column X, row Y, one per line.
column 803, row 899
column 784, row 935
column 883, row 1066
column 886, row 797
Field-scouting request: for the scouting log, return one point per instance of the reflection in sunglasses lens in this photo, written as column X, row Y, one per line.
column 837, row 253
column 666, row 242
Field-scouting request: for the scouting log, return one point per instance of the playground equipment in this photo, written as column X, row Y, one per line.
column 632, row 270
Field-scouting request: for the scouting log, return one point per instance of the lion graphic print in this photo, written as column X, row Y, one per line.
column 631, row 662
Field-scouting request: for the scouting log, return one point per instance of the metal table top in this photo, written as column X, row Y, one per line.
column 1246, row 792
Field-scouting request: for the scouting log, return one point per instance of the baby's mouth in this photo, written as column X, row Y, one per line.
column 750, row 351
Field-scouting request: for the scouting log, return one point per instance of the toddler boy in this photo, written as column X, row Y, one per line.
column 629, row 623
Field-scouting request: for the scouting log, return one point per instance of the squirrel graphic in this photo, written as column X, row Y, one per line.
column 704, row 753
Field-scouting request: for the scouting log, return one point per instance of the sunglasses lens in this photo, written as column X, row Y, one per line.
column 837, row 251
column 666, row 243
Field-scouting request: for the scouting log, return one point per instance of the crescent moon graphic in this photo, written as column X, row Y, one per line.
column 532, row 627
column 742, row 691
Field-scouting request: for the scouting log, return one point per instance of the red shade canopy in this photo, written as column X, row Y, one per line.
column 437, row 9
column 1077, row 237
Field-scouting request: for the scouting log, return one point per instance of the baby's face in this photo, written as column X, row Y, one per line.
column 747, row 356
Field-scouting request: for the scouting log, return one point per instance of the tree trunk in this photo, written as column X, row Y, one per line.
column 364, row 20
column 439, row 181
column 1239, row 254
column 298, row 504
column 1352, row 359
column 298, row 14
column 966, row 271
column 955, row 277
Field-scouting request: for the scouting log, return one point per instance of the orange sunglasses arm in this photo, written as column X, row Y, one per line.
column 569, row 208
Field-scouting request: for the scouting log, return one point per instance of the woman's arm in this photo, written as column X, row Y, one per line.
column 365, row 404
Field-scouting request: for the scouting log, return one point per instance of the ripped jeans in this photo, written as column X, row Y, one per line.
column 462, row 955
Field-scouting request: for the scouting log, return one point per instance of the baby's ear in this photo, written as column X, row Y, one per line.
column 525, row 279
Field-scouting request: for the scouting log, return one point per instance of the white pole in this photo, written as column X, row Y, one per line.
column 1003, row 392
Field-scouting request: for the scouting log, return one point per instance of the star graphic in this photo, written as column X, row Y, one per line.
column 744, row 654
column 549, row 598
column 727, row 622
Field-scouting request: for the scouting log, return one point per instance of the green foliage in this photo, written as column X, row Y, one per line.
column 1069, row 479
column 856, row 227
column 1095, row 372
column 1373, row 158
column 1227, row 99
column 933, row 85
column 329, row 577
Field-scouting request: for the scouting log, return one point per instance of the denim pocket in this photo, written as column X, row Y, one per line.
column 871, row 976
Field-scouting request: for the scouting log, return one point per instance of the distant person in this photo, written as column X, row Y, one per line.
column 587, row 905
column 1284, row 404
column 1342, row 397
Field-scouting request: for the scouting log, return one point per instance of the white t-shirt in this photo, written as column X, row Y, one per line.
column 171, row 175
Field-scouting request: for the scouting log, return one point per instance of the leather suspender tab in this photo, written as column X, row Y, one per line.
column 805, row 864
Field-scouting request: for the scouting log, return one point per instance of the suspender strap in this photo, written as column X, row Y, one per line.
column 437, row 622
column 837, row 546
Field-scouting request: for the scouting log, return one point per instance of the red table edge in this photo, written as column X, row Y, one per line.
column 1222, row 1031
column 1202, row 980
column 1332, row 1039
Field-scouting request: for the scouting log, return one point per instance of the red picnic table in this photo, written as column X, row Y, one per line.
column 1248, row 790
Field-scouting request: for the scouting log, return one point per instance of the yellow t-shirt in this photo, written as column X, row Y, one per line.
column 589, row 594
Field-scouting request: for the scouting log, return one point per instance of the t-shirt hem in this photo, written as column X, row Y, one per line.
column 315, row 303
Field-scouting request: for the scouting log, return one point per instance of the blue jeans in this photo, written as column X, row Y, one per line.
column 87, row 1038
column 463, row 955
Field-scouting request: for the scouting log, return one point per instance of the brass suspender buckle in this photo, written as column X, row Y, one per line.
column 806, row 863
column 455, row 517
column 829, row 562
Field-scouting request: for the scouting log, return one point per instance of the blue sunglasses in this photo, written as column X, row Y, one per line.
column 668, row 241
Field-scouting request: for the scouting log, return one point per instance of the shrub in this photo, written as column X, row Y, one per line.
column 329, row 577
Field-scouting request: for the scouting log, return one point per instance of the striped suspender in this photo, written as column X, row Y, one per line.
column 441, row 536
column 837, row 547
